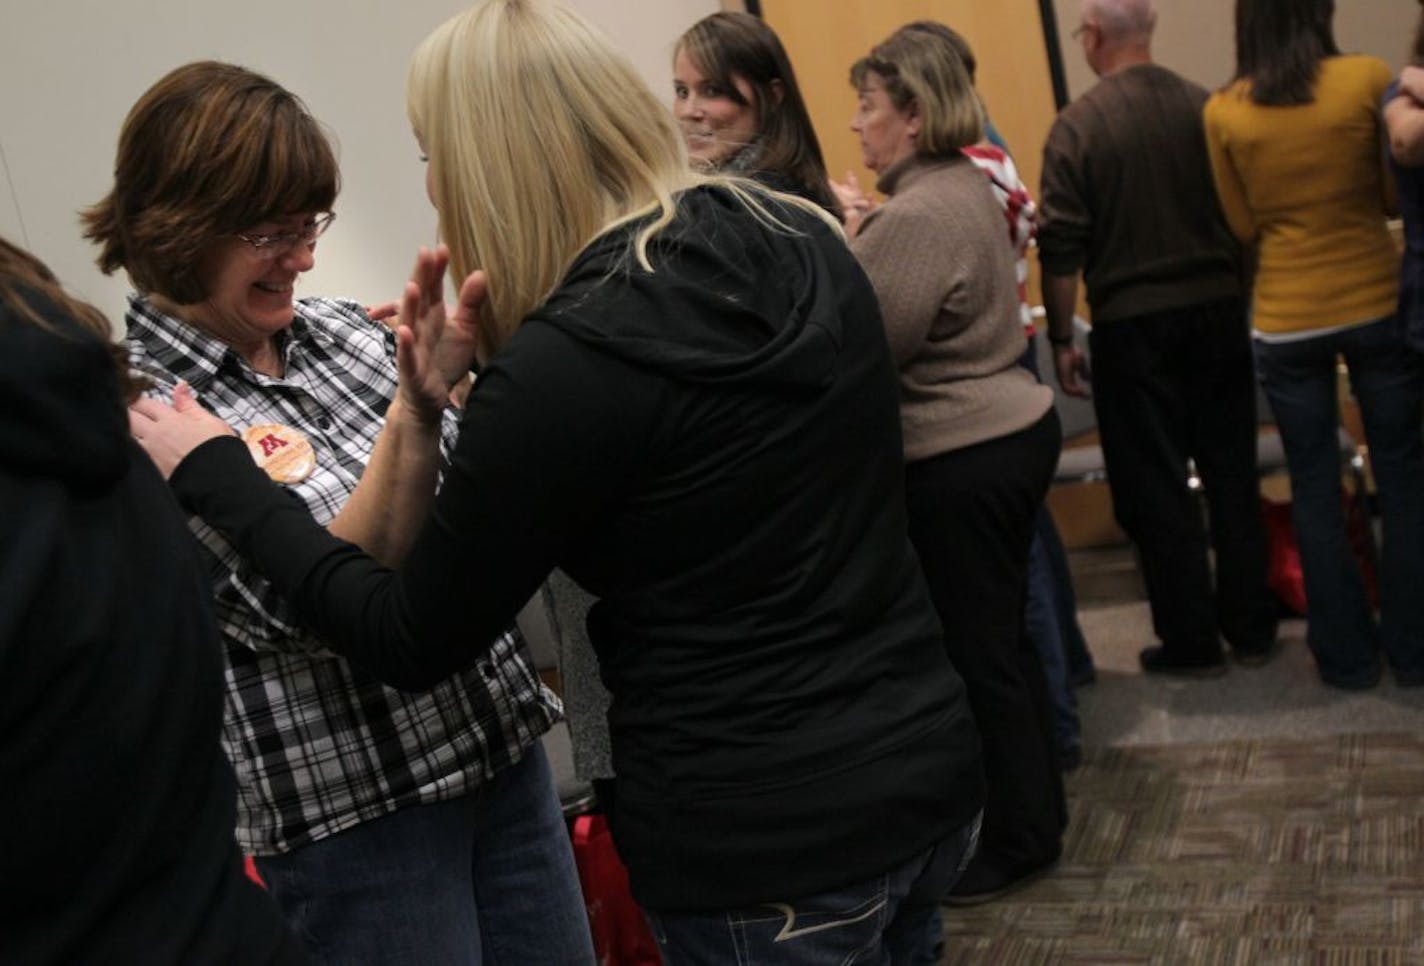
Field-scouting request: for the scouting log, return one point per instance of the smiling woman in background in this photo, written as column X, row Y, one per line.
column 736, row 98
column 392, row 826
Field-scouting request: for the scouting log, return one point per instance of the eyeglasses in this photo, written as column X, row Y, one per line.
column 280, row 243
column 1079, row 30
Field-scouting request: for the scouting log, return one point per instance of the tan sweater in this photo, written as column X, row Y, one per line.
column 938, row 255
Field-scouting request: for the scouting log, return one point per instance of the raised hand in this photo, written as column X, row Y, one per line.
column 434, row 351
column 169, row 433
column 855, row 203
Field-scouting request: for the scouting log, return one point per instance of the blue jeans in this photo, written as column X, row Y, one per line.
column 1041, row 616
column 892, row 918
column 1388, row 382
column 484, row 879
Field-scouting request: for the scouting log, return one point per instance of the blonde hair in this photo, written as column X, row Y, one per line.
column 920, row 66
column 541, row 136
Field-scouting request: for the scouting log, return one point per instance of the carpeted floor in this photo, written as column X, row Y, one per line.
column 1274, row 851
column 1256, row 818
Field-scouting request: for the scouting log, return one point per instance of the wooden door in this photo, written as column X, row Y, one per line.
column 824, row 39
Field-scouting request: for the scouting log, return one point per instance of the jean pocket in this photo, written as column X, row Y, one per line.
column 831, row 927
column 822, row 913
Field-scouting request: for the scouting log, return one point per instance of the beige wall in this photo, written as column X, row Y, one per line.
column 1197, row 37
column 70, row 69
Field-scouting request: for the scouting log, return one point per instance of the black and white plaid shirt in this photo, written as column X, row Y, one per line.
column 320, row 746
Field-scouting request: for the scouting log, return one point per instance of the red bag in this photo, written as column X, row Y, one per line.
column 620, row 933
column 1284, row 575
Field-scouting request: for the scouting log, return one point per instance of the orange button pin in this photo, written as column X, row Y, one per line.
column 284, row 453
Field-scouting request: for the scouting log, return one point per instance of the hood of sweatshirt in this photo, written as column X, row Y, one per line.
column 730, row 299
column 58, row 391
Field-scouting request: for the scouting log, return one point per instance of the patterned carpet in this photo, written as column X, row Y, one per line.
column 1243, row 852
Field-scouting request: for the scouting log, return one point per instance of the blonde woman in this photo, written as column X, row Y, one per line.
column 686, row 402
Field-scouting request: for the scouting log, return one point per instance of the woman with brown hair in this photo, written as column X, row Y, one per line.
column 118, row 803
column 736, row 99
column 393, row 826
column 1295, row 146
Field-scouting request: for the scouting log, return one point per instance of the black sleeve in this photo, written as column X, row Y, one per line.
column 546, row 445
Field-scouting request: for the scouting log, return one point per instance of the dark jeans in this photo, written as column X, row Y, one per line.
column 484, row 879
column 891, row 918
column 1168, row 387
column 1388, row 381
column 1042, row 624
column 971, row 516
column 1075, row 647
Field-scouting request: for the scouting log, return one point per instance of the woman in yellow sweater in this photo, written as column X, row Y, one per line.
column 1295, row 145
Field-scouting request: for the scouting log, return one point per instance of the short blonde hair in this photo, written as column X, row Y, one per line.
column 540, row 136
column 921, row 67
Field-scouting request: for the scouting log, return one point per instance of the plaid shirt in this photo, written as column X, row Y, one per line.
column 318, row 745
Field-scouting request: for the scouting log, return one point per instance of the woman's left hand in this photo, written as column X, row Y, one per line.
column 169, row 433
column 855, row 203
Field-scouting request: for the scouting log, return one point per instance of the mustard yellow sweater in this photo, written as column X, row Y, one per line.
column 1308, row 184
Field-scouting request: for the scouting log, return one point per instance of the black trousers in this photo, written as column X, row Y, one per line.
column 971, row 514
column 1167, row 387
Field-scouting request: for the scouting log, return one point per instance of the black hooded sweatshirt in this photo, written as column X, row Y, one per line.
column 116, row 803
column 712, row 448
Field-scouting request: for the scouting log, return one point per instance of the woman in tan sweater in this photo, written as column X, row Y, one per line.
column 981, row 436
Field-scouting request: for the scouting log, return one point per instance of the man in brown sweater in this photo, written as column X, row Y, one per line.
column 1127, row 199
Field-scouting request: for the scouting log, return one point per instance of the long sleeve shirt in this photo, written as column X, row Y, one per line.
column 712, row 449
column 948, row 292
column 1308, row 185
column 318, row 744
column 1127, row 198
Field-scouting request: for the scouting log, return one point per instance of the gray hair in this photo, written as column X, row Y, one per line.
column 1122, row 19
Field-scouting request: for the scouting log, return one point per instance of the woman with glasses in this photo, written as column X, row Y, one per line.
column 391, row 826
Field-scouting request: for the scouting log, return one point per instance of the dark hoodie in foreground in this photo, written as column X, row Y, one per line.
column 116, row 802
column 714, row 450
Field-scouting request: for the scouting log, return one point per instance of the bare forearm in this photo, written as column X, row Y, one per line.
column 1404, row 117
column 396, row 488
